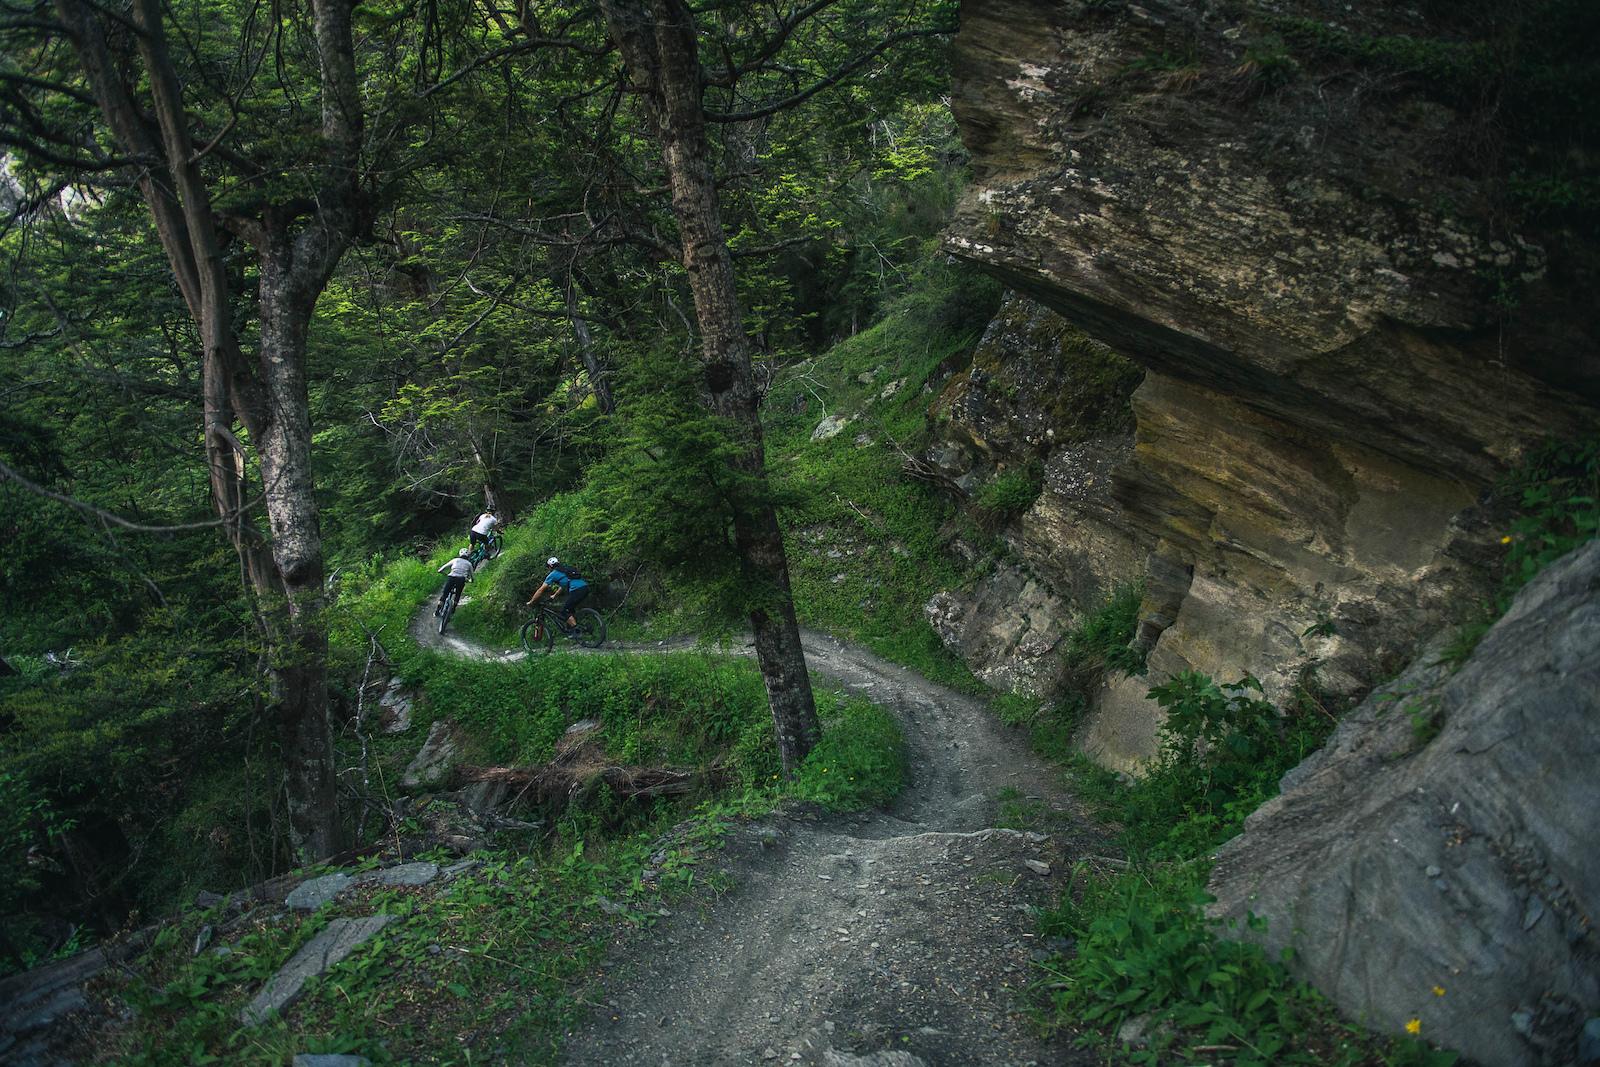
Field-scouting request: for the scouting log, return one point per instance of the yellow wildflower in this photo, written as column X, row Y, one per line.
column 1438, row 990
column 1414, row 1026
column 1506, row 540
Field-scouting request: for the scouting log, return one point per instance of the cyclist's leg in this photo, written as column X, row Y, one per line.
column 570, row 607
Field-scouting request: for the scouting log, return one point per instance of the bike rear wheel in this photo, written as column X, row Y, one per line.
column 591, row 631
column 446, row 610
column 536, row 636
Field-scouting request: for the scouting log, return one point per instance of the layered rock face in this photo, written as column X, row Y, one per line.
column 1456, row 883
column 1318, row 296
column 1039, row 396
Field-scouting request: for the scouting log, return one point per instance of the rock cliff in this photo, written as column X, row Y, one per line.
column 1456, row 883
column 1344, row 344
column 1039, row 395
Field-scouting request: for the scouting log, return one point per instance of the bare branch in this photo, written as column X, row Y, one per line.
column 45, row 155
column 831, row 80
column 55, row 87
column 530, row 45
column 106, row 516
column 767, row 250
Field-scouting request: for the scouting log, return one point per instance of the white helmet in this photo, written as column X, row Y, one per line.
column 464, row 553
column 551, row 562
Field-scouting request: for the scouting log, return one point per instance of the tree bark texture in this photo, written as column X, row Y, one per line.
column 591, row 361
column 657, row 42
column 269, row 401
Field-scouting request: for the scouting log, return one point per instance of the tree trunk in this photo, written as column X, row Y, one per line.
column 271, row 403
column 300, row 688
column 591, row 362
column 494, row 489
column 657, row 41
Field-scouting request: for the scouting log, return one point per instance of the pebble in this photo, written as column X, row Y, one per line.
column 1433, row 872
column 1037, row 867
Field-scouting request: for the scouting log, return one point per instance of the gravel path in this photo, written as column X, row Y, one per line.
column 848, row 936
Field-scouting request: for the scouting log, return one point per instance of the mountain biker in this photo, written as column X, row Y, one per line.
column 482, row 527
column 461, row 571
column 563, row 578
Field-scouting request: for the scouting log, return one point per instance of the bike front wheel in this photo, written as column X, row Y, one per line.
column 495, row 546
column 591, row 631
column 447, row 609
column 536, row 636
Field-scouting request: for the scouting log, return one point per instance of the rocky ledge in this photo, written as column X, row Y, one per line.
column 1344, row 345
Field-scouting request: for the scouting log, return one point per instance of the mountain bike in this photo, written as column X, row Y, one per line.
column 483, row 550
column 540, row 631
column 447, row 608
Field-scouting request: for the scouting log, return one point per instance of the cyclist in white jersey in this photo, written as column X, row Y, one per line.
column 482, row 527
column 461, row 572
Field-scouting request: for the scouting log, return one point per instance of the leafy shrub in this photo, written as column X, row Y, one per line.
column 1105, row 641
column 1143, row 944
column 1009, row 495
column 1145, row 947
column 1558, row 492
column 860, row 761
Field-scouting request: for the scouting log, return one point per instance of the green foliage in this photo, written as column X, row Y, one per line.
column 1152, row 951
column 860, row 761
column 503, row 950
column 1526, row 82
column 1105, row 641
column 1557, row 490
column 1144, row 947
column 1010, row 494
column 667, row 495
column 1271, row 64
column 1223, row 751
column 1143, row 944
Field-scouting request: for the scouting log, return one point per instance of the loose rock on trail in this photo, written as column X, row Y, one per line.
column 844, row 939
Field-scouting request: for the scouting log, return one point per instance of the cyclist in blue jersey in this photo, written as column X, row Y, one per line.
column 564, row 579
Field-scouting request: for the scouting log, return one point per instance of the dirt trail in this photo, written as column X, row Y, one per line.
column 908, row 929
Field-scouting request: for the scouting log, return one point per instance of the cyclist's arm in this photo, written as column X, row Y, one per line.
column 537, row 596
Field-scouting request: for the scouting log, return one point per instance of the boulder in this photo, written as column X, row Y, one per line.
column 1036, row 383
column 407, row 874
column 1453, row 882
column 434, row 759
column 314, row 893
column 1007, row 628
column 831, row 426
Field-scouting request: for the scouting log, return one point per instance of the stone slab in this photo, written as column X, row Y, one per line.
column 408, row 874
column 313, row 894
column 326, row 950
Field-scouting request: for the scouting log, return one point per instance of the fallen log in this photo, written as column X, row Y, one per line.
column 555, row 781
